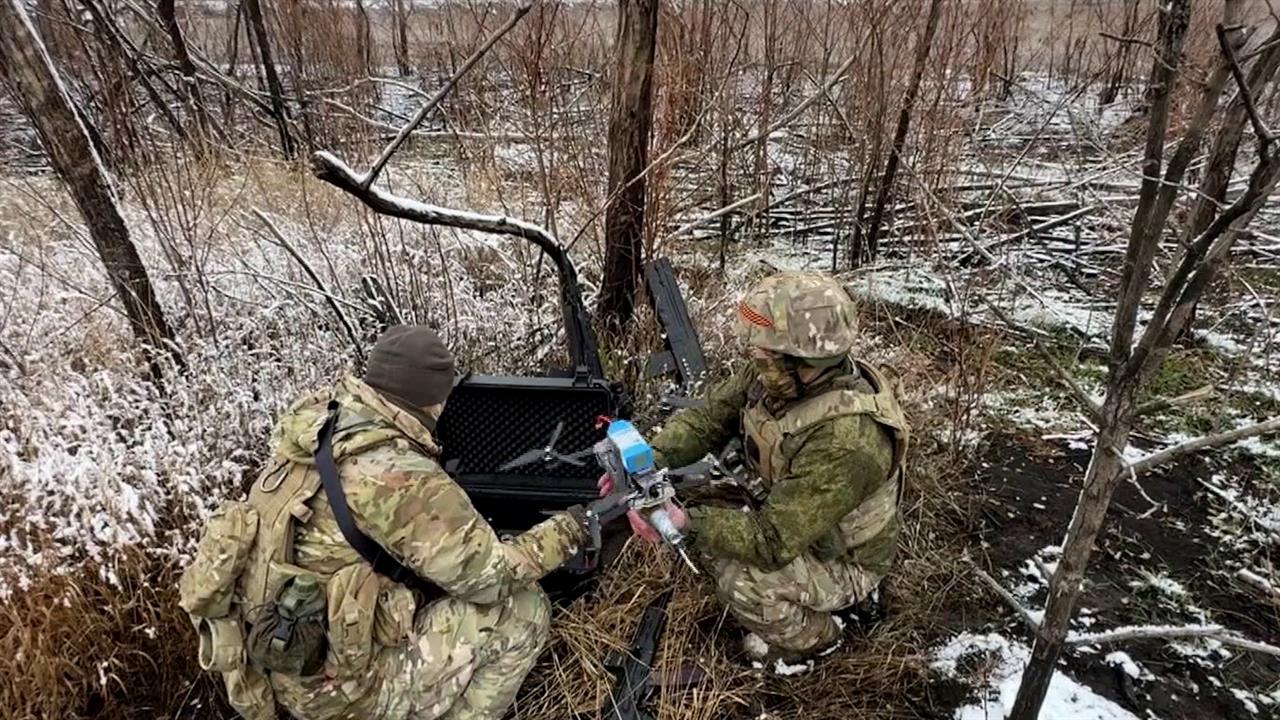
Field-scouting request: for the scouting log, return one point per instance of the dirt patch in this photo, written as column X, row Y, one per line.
column 1156, row 565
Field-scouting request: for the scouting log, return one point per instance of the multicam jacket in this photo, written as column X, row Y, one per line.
column 400, row 497
column 829, row 463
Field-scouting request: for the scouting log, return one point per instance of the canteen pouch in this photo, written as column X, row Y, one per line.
column 206, row 588
column 288, row 635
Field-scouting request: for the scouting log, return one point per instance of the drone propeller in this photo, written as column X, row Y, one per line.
column 523, row 459
column 547, row 454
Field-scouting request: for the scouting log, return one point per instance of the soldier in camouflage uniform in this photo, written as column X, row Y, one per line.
column 391, row 653
column 824, row 440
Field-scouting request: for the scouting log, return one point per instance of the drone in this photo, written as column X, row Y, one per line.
column 548, row 454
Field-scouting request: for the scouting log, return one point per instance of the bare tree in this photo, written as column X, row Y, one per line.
column 191, row 88
column 400, row 22
column 630, row 119
column 364, row 38
column 27, row 66
column 1130, row 364
column 885, row 193
column 262, row 40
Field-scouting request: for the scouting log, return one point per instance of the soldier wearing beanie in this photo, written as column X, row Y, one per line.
column 389, row 651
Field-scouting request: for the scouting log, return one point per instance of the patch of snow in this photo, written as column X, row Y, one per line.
column 1161, row 583
column 1246, row 700
column 755, row 645
column 1130, row 666
column 1004, row 662
column 785, row 670
column 1206, row 652
column 1253, row 702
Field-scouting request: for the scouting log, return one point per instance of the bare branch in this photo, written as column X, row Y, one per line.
column 790, row 117
column 1126, row 40
column 1009, row 599
column 1259, row 583
column 330, row 169
column 334, row 171
column 1144, row 237
column 1169, row 632
column 712, row 216
column 1210, row 441
column 357, row 351
column 1161, row 404
column 376, row 169
column 1260, row 128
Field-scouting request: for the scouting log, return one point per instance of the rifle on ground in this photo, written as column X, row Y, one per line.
column 635, row 667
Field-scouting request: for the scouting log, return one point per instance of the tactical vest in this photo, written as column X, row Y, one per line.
column 773, row 441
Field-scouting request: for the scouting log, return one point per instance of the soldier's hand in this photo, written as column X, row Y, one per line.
column 639, row 526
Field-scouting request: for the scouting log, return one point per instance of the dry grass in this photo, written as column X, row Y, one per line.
column 83, row 647
column 878, row 674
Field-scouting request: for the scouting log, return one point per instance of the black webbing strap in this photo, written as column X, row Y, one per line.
column 383, row 562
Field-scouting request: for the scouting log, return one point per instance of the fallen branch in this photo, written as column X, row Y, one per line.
column 787, row 119
column 311, row 273
column 712, row 216
column 1009, row 599
column 1204, row 393
column 1259, row 583
column 1172, row 632
column 367, row 180
column 328, row 168
column 1082, row 397
column 1037, row 229
column 1274, row 530
column 1154, row 459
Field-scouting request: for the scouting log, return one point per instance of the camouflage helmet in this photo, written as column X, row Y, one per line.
column 801, row 314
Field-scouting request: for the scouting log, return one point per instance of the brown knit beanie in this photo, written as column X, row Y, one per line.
column 411, row 364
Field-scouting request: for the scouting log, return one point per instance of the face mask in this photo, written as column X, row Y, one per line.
column 778, row 377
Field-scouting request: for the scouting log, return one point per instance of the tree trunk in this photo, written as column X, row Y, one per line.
column 1107, row 463
column 24, row 60
column 259, row 28
column 1100, row 482
column 630, row 118
column 400, row 13
column 1120, row 67
column 885, row 193
column 191, row 86
column 364, row 40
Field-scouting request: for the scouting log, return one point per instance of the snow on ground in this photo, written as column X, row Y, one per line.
column 94, row 462
column 1131, row 667
column 993, row 665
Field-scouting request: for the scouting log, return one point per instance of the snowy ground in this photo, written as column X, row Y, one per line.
column 95, row 463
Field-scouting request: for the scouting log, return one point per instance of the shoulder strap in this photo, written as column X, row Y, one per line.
column 383, row 562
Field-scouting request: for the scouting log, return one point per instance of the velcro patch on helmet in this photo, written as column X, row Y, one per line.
column 754, row 316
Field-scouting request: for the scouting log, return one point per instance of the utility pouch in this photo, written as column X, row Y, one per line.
column 289, row 634
column 208, row 584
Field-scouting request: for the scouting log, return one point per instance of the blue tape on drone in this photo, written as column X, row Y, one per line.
column 637, row 455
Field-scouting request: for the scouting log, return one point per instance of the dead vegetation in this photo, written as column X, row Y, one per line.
column 774, row 126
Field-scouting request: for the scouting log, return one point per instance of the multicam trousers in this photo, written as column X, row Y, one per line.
column 791, row 608
column 463, row 662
